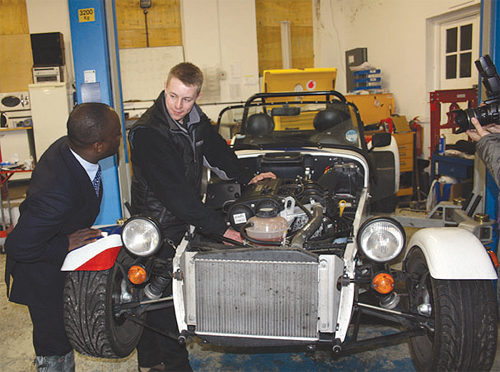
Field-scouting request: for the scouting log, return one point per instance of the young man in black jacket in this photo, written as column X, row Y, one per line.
column 170, row 144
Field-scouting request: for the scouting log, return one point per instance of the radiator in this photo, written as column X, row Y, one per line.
column 266, row 294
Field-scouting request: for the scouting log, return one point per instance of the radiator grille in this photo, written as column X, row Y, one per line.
column 257, row 298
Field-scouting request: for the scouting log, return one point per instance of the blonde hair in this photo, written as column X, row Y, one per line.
column 188, row 73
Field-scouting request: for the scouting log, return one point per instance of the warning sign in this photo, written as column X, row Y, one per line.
column 86, row 15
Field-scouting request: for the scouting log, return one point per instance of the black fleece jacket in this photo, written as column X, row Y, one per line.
column 167, row 163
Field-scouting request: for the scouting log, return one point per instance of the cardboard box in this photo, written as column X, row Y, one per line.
column 449, row 191
column 373, row 107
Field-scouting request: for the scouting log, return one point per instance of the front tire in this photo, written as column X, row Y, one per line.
column 91, row 326
column 463, row 314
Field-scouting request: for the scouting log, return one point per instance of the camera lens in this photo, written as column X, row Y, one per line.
column 488, row 114
column 462, row 120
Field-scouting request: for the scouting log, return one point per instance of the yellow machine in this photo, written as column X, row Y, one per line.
column 298, row 80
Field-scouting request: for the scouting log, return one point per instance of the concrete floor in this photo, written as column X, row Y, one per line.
column 17, row 354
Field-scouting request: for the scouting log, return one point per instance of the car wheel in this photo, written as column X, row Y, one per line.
column 462, row 327
column 91, row 326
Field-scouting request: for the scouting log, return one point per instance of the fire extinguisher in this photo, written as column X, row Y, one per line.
column 417, row 128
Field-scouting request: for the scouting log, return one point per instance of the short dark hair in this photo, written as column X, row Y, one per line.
column 89, row 123
column 188, row 73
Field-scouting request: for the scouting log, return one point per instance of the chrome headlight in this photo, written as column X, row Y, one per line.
column 381, row 239
column 141, row 236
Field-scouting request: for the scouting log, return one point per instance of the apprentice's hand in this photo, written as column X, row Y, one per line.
column 262, row 176
column 82, row 237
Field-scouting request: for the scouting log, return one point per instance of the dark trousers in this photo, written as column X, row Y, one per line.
column 154, row 348
column 49, row 335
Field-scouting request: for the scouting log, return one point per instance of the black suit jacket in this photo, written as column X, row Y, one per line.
column 60, row 200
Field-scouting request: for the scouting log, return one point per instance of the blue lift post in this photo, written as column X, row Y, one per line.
column 493, row 8
column 91, row 57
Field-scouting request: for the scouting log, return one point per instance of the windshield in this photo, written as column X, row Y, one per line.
column 268, row 121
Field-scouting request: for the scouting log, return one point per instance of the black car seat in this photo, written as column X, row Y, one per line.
column 329, row 118
column 330, row 126
column 259, row 125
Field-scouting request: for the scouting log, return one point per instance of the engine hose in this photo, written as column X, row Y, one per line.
column 244, row 235
column 331, row 236
column 301, row 206
column 309, row 228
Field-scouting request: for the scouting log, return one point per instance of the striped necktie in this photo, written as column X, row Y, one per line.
column 97, row 181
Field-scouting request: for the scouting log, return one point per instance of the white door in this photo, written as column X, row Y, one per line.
column 458, row 50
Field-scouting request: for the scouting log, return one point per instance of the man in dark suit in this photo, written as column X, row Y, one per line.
column 62, row 202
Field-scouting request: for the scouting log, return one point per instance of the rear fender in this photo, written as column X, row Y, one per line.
column 97, row 256
column 453, row 253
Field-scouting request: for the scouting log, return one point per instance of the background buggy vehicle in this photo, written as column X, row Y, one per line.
column 314, row 258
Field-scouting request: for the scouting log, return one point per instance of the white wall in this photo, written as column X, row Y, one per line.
column 394, row 32
column 220, row 37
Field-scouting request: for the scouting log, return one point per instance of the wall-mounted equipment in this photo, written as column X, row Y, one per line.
column 146, row 4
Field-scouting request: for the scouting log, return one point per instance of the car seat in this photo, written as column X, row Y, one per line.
column 259, row 125
column 329, row 118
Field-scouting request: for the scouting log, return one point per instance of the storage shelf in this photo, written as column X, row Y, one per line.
column 460, row 168
column 14, row 129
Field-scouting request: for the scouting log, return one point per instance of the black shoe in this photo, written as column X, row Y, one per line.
column 156, row 368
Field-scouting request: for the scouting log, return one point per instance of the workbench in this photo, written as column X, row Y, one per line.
column 460, row 168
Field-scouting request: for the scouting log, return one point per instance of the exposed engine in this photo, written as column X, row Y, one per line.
column 266, row 204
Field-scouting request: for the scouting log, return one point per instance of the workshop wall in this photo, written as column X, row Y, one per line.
column 396, row 36
column 15, row 47
column 269, row 15
column 221, row 37
column 18, row 19
column 163, row 24
column 51, row 16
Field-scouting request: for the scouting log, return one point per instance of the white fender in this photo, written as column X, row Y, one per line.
column 453, row 253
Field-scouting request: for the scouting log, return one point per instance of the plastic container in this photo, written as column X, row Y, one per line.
column 266, row 225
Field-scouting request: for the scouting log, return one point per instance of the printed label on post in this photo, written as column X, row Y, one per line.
column 86, row 15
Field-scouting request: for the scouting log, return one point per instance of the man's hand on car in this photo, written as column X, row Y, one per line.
column 82, row 237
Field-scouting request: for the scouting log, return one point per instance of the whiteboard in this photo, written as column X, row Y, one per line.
column 144, row 70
